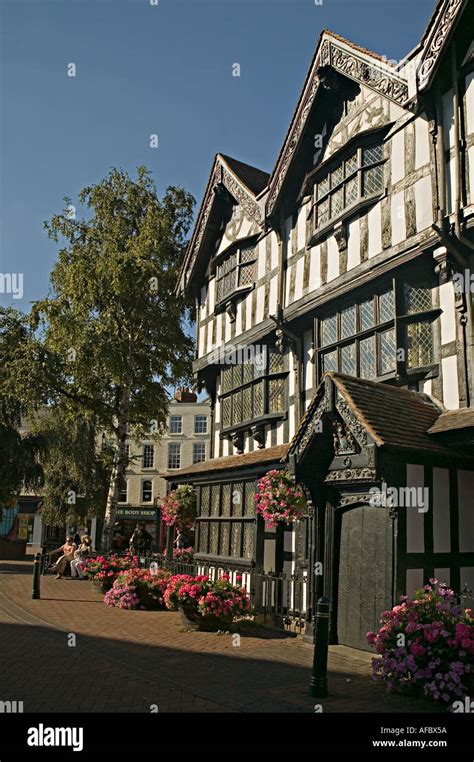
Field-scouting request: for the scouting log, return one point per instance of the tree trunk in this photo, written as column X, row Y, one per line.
column 118, row 469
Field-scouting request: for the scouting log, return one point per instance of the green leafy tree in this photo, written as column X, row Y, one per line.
column 19, row 451
column 111, row 337
column 76, row 469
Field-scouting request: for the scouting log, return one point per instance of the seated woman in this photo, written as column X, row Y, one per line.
column 80, row 555
column 67, row 555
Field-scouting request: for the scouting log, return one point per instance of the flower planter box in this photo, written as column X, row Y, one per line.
column 193, row 620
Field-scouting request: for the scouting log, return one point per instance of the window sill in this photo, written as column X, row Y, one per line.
column 233, row 297
column 345, row 216
column 267, row 418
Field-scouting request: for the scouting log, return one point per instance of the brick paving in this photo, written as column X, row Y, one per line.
column 130, row 660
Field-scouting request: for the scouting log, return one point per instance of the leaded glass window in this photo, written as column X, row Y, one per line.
column 368, row 358
column 418, row 298
column 348, row 360
column 253, row 386
column 248, row 542
column 360, row 175
column 348, row 321
column 205, row 500
column 387, row 351
column 228, row 527
column 420, row 344
column 360, row 339
column 250, row 490
column 235, row 271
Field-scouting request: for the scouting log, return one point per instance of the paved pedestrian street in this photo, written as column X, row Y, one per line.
column 68, row 652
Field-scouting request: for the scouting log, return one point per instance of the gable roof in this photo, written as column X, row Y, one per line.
column 436, row 37
column 244, row 183
column 393, row 417
column 351, row 60
column 254, row 179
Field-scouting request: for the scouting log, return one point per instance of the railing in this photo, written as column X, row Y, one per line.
column 278, row 598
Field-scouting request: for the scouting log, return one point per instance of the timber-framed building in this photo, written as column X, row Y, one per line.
column 335, row 327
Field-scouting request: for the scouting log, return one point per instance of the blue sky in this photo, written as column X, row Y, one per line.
column 145, row 69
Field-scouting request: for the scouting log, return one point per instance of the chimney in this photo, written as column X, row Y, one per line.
column 185, row 395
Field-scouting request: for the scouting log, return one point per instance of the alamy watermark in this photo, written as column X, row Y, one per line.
column 254, row 354
column 12, row 283
column 400, row 497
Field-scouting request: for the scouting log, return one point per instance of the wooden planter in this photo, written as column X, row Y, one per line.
column 193, row 620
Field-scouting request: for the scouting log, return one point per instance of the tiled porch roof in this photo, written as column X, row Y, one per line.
column 268, row 455
column 394, row 417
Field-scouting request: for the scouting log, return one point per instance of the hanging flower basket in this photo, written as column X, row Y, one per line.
column 179, row 508
column 278, row 499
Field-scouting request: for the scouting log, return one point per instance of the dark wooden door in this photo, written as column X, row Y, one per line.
column 365, row 573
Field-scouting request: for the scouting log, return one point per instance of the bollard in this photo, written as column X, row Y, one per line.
column 319, row 678
column 35, row 593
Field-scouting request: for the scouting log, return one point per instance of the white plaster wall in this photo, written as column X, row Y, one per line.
column 450, row 382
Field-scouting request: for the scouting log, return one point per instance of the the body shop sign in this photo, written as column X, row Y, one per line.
column 141, row 514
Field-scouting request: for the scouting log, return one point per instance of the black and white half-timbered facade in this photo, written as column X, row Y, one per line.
column 335, row 330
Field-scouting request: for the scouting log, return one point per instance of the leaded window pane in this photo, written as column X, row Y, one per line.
column 329, row 361
column 250, row 490
column 323, row 186
column 258, row 399
column 248, row 540
column 328, row 330
column 260, row 361
column 247, row 372
column 237, row 407
column 323, row 212
column 226, row 499
column 387, row 351
column 351, row 164
column 248, row 254
column 203, row 536
column 420, row 344
column 237, row 498
column 215, row 499
column 367, row 315
column 205, row 500
column 351, row 191
column 368, row 358
column 277, row 362
column 348, row 360
column 276, row 395
column 224, row 539
column 213, row 538
column 373, row 180
column 235, row 539
column 386, row 306
column 236, row 376
column 348, row 321
column 337, row 176
column 227, row 412
column 226, row 378
column 372, row 154
column 247, row 403
column 337, row 202
column 417, row 298
column 246, row 276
